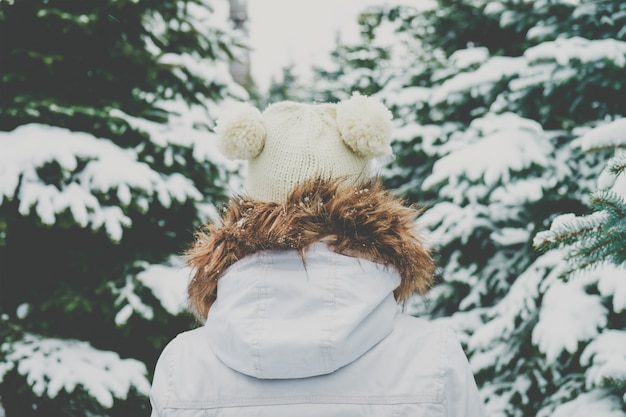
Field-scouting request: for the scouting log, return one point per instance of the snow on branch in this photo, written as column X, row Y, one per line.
column 168, row 283
column 449, row 222
column 611, row 202
column 568, row 228
column 566, row 50
column 610, row 135
column 591, row 241
column 130, row 302
column 88, row 167
column 595, row 240
column 596, row 403
column 51, row 365
column 569, row 315
column 606, row 358
column 478, row 82
column 520, row 303
column 617, row 164
column 518, row 143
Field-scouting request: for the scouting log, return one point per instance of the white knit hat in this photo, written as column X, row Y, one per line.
column 292, row 142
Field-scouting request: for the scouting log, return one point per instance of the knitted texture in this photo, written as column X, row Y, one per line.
column 241, row 132
column 365, row 126
column 290, row 143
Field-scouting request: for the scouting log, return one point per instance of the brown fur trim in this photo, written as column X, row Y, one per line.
column 366, row 222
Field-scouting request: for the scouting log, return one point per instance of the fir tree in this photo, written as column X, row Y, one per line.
column 287, row 87
column 596, row 240
column 493, row 101
column 107, row 165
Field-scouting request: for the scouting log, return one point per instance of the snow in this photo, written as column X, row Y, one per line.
column 611, row 281
column 489, row 154
column 494, row 7
column 519, row 303
column 540, row 32
column 544, row 66
column 53, row 365
column 130, row 302
column 168, row 283
column 107, row 168
column 518, row 193
column 485, row 359
column 596, row 403
column 565, row 50
column 541, row 74
column 606, row 358
column 508, row 236
column 568, row 223
column 508, row 144
column 449, row 222
column 406, row 96
column 569, row 315
column 21, row 312
column 210, row 71
column 500, row 399
column 479, row 81
column 604, row 136
column 466, row 58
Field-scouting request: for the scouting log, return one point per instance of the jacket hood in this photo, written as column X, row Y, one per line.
column 361, row 221
column 279, row 315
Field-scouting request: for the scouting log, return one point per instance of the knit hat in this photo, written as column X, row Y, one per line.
column 291, row 142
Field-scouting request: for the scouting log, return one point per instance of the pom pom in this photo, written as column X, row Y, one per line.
column 365, row 126
column 241, row 132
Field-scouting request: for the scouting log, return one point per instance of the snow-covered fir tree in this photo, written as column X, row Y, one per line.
column 593, row 264
column 596, row 240
column 107, row 163
column 287, row 86
column 497, row 104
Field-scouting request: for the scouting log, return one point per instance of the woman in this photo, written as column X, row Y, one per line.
column 298, row 286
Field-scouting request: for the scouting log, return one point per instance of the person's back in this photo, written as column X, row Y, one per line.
column 298, row 290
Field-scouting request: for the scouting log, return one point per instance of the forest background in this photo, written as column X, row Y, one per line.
column 509, row 131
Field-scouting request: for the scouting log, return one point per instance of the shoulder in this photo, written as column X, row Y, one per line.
column 185, row 346
column 180, row 369
column 429, row 345
column 458, row 390
column 181, row 352
column 417, row 346
column 436, row 339
column 426, row 331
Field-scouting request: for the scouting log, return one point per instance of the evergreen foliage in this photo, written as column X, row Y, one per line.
column 287, row 87
column 107, row 166
column 595, row 240
column 497, row 104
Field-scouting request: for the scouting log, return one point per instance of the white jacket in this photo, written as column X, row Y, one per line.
column 319, row 338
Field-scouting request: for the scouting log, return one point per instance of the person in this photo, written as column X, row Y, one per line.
column 299, row 285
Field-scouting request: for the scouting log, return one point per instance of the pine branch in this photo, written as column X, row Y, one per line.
column 617, row 164
column 590, row 240
column 568, row 229
column 589, row 248
column 610, row 201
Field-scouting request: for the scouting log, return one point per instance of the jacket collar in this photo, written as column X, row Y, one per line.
column 364, row 222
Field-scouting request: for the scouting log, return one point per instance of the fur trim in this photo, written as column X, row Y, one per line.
column 366, row 222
